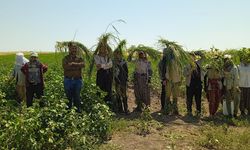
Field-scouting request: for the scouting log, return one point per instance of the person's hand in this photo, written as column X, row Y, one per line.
column 71, row 63
column 98, row 66
column 236, row 90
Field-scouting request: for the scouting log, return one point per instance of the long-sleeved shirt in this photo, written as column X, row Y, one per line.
column 244, row 73
column 121, row 72
column 105, row 62
column 231, row 78
column 187, row 71
column 143, row 67
column 162, row 68
column 72, row 71
column 36, row 70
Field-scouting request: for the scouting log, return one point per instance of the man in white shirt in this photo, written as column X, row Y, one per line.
column 244, row 84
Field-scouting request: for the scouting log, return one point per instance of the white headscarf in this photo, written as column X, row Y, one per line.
column 20, row 59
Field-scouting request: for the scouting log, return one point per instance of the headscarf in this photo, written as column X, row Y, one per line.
column 20, row 59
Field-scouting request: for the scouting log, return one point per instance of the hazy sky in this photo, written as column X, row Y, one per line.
column 195, row 24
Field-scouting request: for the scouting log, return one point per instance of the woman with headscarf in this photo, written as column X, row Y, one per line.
column 19, row 76
column 142, row 76
column 213, row 87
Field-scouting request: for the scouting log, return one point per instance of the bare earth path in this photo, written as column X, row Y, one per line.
column 165, row 132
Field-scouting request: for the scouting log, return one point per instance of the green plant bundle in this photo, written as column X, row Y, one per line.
column 103, row 43
column 151, row 52
column 174, row 53
column 244, row 55
column 121, row 47
column 83, row 50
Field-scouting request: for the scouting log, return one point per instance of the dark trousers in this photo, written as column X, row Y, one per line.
column 31, row 90
column 193, row 91
column 72, row 89
column 245, row 100
column 163, row 96
column 104, row 80
column 122, row 100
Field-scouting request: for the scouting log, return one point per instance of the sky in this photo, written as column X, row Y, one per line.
column 195, row 24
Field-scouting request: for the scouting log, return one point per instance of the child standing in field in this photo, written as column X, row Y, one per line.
column 19, row 76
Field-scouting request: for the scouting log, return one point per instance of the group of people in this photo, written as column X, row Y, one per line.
column 28, row 75
column 229, row 85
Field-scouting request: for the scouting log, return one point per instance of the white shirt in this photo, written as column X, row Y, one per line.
column 141, row 66
column 244, row 75
column 103, row 61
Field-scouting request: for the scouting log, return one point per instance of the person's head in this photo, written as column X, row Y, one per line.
column 103, row 51
column 72, row 49
column 164, row 51
column 118, row 55
column 20, row 59
column 33, row 56
column 142, row 55
column 227, row 61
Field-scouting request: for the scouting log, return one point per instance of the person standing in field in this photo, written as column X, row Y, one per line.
column 142, row 77
column 162, row 74
column 172, row 82
column 213, row 87
column 72, row 66
column 19, row 77
column 33, row 71
column 244, row 84
column 194, row 78
column 231, row 85
column 104, row 75
column 121, row 78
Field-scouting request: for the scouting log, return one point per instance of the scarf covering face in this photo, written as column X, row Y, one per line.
column 20, row 59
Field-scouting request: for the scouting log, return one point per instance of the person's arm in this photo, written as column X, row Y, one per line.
column 79, row 64
column 66, row 65
column 97, row 62
column 44, row 68
column 236, row 78
column 24, row 69
column 150, row 72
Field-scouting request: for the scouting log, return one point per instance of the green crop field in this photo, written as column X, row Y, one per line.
column 48, row 125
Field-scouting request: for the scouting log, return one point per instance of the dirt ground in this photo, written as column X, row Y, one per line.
column 174, row 132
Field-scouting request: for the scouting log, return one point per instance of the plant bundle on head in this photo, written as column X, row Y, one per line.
column 64, row 47
column 215, row 58
column 151, row 52
column 121, row 47
column 102, row 47
column 244, row 54
column 174, row 53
